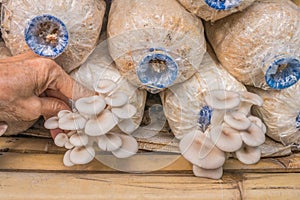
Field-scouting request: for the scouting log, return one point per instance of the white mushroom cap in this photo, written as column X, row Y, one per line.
column 79, row 140
column 68, row 145
column 248, row 155
column 3, row 128
column 226, row 138
column 208, row 173
column 259, row 123
column 222, row 99
column 251, row 98
column 109, row 142
column 217, row 117
column 248, row 100
column 51, row 123
column 129, row 147
column 117, row 99
column 61, row 139
column 124, row 112
column 102, row 124
column 197, row 148
column 69, row 134
column 90, row 105
column 127, row 126
column 237, row 120
column 62, row 113
column 66, row 160
column 253, row 136
column 105, row 86
column 82, row 155
column 72, row 121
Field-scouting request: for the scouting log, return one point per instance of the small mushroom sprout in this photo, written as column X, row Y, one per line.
column 232, row 129
column 92, row 122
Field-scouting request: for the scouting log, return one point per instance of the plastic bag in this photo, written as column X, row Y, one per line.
column 184, row 104
column 260, row 46
column 155, row 44
column 281, row 113
column 82, row 19
column 212, row 10
column 100, row 66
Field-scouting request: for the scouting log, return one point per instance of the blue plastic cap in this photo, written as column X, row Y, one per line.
column 298, row 122
column 46, row 36
column 223, row 4
column 205, row 118
column 157, row 70
column 283, row 73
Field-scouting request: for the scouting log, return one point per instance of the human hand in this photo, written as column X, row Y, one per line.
column 31, row 86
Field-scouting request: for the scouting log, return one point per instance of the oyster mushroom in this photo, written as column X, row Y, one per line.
column 47, row 36
column 82, row 155
column 197, row 148
column 61, row 139
column 90, row 105
column 127, row 126
column 105, row 86
column 102, row 124
column 51, row 123
column 226, row 138
column 66, row 160
column 249, row 99
column 248, row 155
column 259, row 123
column 68, row 145
column 117, row 99
column 222, row 99
column 71, row 122
column 62, row 113
column 208, row 173
column 237, row 120
column 129, row 147
column 3, row 128
column 79, row 140
column 109, row 142
column 124, row 112
column 253, row 136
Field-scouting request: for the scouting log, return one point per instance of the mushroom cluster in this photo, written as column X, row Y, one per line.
column 93, row 121
column 233, row 130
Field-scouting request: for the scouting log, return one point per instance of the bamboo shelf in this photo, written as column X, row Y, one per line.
column 31, row 168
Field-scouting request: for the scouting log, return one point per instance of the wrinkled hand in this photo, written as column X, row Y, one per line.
column 31, row 86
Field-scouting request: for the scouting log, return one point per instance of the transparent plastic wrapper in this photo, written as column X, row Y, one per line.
column 4, row 51
column 184, row 104
column 212, row 10
column 155, row 44
column 260, row 46
column 281, row 113
column 65, row 30
column 100, row 66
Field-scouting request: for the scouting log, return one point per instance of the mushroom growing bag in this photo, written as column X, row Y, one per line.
column 155, row 44
column 184, row 104
column 4, row 51
column 281, row 113
column 260, row 46
column 212, row 10
column 65, row 30
column 100, row 66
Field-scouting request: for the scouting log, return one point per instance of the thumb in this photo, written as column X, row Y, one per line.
column 51, row 106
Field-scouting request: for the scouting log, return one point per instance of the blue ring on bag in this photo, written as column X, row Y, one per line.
column 283, row 78
column 204, row 119
column 156, row 79
column 222, row 4
column 298, row 122
column 38, row 45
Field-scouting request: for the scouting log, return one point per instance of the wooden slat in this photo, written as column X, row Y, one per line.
column 114, row 186
column 53, row 162
column 271, row 186
column 169, row 186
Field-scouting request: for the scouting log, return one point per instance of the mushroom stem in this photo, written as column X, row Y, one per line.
column 208, row 173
